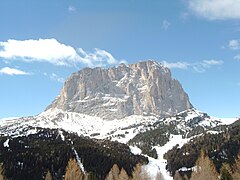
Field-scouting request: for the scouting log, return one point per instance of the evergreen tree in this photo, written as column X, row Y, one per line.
column 73, row 171
column 225, row 174
column 2, row 172
column 205, row 168
column 48, row 176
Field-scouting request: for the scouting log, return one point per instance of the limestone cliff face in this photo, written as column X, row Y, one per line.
column 144, row 88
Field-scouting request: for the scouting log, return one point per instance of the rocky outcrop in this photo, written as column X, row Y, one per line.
column 144, row 88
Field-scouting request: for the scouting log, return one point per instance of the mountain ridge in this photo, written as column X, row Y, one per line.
column 146, row 133
column 144, row 88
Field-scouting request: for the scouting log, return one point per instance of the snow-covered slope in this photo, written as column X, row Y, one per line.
column 183, row 127
column 139, row 104
column 117, row 129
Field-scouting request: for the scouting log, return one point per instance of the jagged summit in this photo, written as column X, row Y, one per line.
column 144, row 88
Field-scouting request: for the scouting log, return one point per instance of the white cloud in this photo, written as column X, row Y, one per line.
column 43, row 50
column 200, row 67
column 54, row 52
column 184, row 16
column 176, row 65
column 234, row 44
column 165, row 24
column 215, row 9
column 237, row 57
column 209, row 63
column 206, row 64
column 71, row 8
column 98, row 57
column 12, row 71
column 55, row 77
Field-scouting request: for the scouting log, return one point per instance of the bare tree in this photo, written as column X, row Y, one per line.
column 205, row 168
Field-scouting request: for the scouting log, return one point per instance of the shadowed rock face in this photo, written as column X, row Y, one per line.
column 144, row 88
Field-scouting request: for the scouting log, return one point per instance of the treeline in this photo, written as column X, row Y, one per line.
column 158, row 134
column 222, row 148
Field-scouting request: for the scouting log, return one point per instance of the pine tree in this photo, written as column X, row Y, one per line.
column 236, row 169
column 205, row 168
column 48, row 176
column 177, row 176
column 2, row 172
column 225, row 173
column 123, row 175
column 113, row 173
column 73, row 171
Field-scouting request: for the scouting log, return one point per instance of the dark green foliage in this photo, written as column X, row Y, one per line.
column 195, row 131
column 159, row 136
column 30, row 157
column 91, row 176
column 221, row 148
column 153, row 153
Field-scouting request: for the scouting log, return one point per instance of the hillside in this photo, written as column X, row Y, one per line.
column 220, row 148
column 32, row 156
column 125, row 122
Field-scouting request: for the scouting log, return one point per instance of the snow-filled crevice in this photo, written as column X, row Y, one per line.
column 78, row 160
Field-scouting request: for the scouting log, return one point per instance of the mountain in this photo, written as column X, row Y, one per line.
column 144, row 88
column 125, row 122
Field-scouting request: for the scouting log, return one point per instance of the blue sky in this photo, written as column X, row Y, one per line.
column 43, row 42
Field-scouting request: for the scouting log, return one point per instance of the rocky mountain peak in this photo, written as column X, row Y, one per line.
column 144, row 88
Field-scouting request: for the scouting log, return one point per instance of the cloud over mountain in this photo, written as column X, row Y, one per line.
column 201, row 66
column 54, row 52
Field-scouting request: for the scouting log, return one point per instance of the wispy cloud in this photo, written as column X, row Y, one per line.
column 215, row 9
column 165, row 24
column 71, row 8
column 55, row 77
column 234, row 44
column 54, row 52
column 12, row 71
column 184, row 15
column 237, row 57
column 200, row 67
column 176, row 65
column 206, row 64
column 98, row 57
